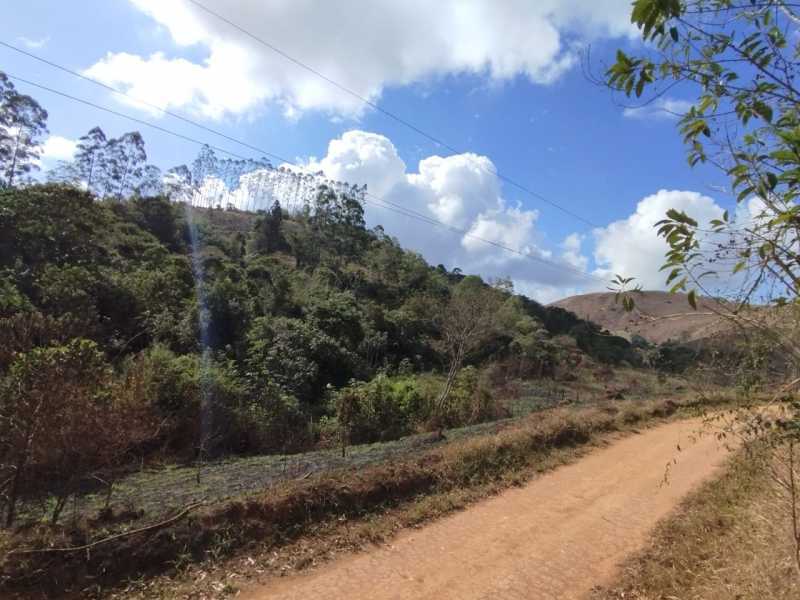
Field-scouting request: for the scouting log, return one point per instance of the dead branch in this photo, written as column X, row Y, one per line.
column 159, row 525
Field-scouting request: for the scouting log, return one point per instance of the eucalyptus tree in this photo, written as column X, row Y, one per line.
column 205, row 165
column 22, row 124
column 125, row 164
column 90, row 158
column 178, row 183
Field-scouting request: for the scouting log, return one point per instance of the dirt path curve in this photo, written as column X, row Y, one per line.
column 556, row 537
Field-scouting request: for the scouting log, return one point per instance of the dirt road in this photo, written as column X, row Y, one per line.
column 556, row 537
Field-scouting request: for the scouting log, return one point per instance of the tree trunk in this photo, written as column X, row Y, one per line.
column 441, row 402
column 122, row 181
column 61, row 502
column 13, row 166
column 91, row 173
column 13, row 493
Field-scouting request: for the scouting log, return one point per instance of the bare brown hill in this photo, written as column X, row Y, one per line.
column 658, row 316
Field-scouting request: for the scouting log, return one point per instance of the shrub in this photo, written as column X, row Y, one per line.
column 167, row 382
column 272, row 421
column 384, row 408
column 297, row 356
column 60, row 422
column 390, row 407
column 208, row 407
column 471, row 400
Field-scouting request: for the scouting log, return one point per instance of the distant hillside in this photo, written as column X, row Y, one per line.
column 658, row 317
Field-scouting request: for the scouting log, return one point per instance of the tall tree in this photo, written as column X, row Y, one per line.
column 151, row 183
column 178, row 183
column 90, row 158
column 338, row 221
column 268, row 230
column 126, row 161
column 205, row 165
column 22, row 123
column 465, row 322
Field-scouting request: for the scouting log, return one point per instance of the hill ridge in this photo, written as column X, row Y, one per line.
column 659, row 316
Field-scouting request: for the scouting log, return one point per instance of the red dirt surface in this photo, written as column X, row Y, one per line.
column 556, row 537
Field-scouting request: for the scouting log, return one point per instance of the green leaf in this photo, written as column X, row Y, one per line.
column 763, row 110
column 678, row 286
column 673, row 275
column 692, row 298
column 628, row 304
column 772, row 180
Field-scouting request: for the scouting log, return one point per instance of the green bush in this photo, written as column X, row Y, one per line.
column 297, row 356
column 271, row 422
column 471, row 401
column 387, row 408
column 168, row 383
column 383, row 409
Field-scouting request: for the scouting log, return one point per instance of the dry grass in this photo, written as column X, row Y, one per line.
column 326, row 540
column 305, row 520
column 730, row 539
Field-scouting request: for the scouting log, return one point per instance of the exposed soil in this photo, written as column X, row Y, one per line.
column 658, row 317
column 556, row 537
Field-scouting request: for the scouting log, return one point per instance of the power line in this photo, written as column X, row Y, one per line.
column 119, row 114
column 405, row 210
column 174, row 114
column 378, row 201
column 385, row 112
column 168, row 113
column 134, row 99
column 181, row 117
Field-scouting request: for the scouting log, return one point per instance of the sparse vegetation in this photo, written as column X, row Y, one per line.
column 156, row 355
column 179, row 383
column 729, row 539
column 447, row 476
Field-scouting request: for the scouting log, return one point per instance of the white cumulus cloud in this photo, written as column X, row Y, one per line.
column 57, row 148
column 463, row 194
column 632, row 248
column 365, row 45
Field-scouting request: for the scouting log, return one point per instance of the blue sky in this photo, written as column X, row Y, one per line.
column 503, row 84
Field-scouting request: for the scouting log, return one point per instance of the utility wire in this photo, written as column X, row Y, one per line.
column 385, row 112
column 137, row 100
column 168, row 113
column 407, row 211
column 173, row 114
column 375, row 200
column 119, row 114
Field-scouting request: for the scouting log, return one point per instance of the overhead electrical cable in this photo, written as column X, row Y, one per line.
column 372, row 199
column 395, row 117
